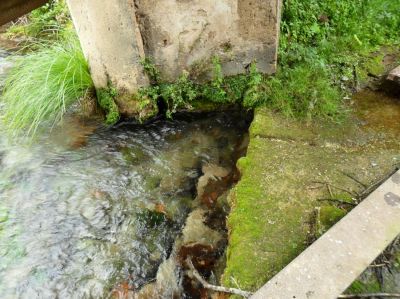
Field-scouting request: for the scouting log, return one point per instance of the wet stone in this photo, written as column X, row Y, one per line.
column 213, row 183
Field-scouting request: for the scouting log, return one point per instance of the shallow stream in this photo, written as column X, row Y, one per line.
column 90, row 208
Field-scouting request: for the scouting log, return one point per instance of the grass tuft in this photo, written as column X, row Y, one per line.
column 43, row 84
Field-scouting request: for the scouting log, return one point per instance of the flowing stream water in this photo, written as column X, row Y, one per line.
column 88, row 208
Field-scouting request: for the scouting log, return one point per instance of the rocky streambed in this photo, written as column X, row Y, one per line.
column 95, row 212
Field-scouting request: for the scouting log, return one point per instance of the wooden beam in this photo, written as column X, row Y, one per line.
column 13, row 9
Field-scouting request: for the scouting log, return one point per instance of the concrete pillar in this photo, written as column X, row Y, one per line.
column 111, row 41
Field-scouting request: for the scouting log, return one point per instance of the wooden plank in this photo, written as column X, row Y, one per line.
column 13, row 9
column 328, row 267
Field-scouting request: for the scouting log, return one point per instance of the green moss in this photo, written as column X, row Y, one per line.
column 328, row 216
column 275, row 199
column 359, row 287
column 370, row 65
column 268, row 124
column 106, row 99
column 267, row 229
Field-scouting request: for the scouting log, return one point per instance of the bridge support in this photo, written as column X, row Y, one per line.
column 177, row 36
column 110, row 38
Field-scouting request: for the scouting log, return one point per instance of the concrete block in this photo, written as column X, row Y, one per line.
column 328, row 267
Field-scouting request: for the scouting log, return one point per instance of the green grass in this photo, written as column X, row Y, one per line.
column 323, row 44
column 43, row 84
column 325, row 50
column 46, row 22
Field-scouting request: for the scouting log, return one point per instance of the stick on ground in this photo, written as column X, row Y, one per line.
column 216, row 288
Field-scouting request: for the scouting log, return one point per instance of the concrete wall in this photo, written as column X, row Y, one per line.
column 177, row 34
column 185, row 34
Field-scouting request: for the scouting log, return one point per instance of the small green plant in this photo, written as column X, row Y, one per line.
column 106, row 99
column 43, row 84
column 47, row 21
column 214, row 91
column 151, row 70
column 179, row 94
column 255, row 93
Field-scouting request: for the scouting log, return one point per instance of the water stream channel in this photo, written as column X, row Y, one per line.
column 92, row 212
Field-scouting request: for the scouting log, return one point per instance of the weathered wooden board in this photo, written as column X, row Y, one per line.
column 13, row 9
column 332, row 263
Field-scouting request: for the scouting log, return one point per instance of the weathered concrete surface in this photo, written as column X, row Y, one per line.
column 394, row 75
column 185, row 35
column 111, row 42
column 176, row 35
column 285, row 174
column 13, row 9
column 329, row 266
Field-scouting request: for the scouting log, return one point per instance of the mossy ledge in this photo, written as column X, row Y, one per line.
column 283, row 179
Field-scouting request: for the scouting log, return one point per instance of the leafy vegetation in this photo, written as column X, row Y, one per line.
column 105, row 98
column 184, row 92
column 43, row 84
column 325, row 48
column 47, row 21
column 329, row 43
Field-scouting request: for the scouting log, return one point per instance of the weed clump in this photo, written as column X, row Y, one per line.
column 106, row 99
column 43, row 84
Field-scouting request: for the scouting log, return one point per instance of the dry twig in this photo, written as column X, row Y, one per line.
column 338, row 201
column 216, row 288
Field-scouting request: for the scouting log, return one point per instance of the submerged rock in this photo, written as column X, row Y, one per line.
column 134, row 154
column 213, row 183
column 198, row 242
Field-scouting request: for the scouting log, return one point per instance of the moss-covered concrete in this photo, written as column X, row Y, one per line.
column 285, row 177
